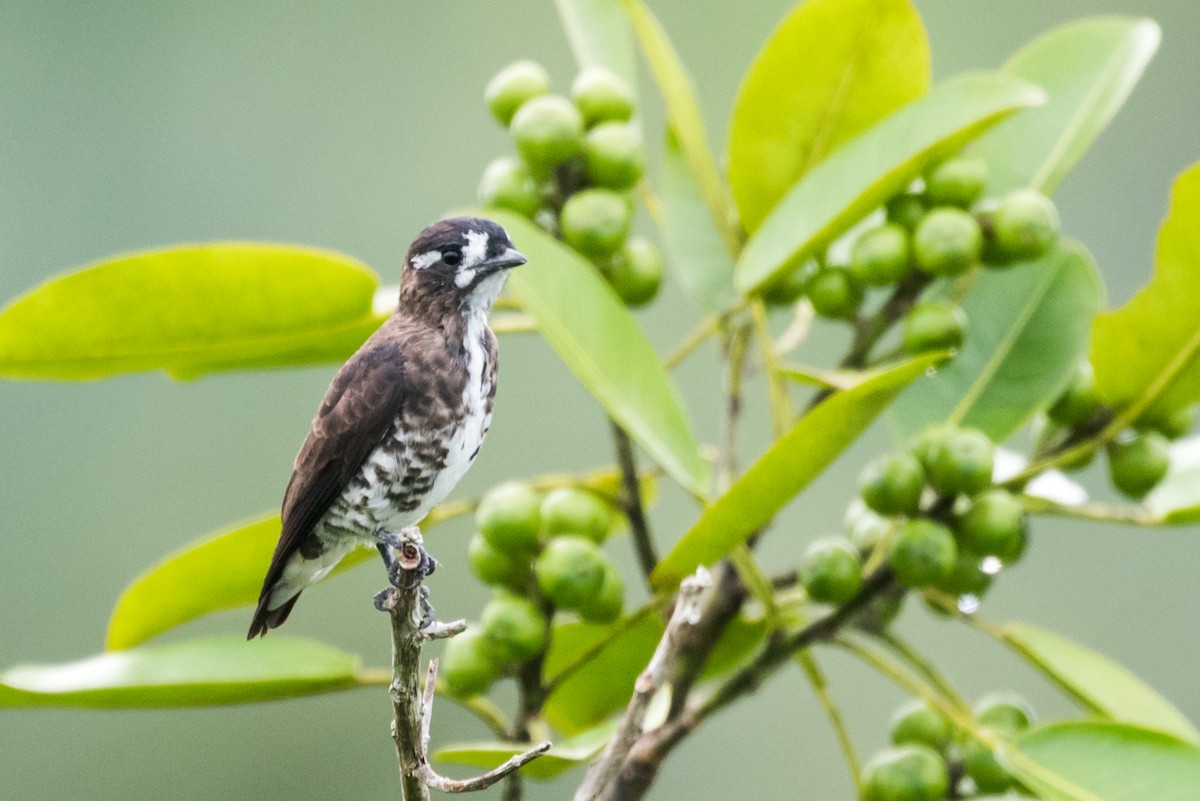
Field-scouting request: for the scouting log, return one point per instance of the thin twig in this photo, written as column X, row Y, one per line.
column 602, row 774
column 411, row 720
column 816, row 677
column 630, row 499
column 923, row 666
column 695, row 338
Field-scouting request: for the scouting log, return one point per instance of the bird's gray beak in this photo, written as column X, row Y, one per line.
column 505, row 261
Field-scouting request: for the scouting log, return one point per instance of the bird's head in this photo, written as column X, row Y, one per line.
column 457, row 264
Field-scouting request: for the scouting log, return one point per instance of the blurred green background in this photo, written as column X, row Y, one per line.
column 127, row 125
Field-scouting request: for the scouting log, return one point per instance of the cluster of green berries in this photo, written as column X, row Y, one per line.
column 578, row 160
column 542, row 554
column 928, row 762
column 935, row 508
column 943, row 229
column 1138, row 459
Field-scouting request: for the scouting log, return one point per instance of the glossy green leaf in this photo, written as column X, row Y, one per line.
column 600, row 36
column 189, row 311
column 784, row 470
column 594, row 691
column 202, row 672
column 874, row 165
column 683, row 112
column 593, row 332
column 1027, row 328
column 1095, row 681
column 691, row 242
column 1176, row 500
column 1145, row 353
column 1090, row 761
column 564, row 755
column 829, row 71
column 1088, row 68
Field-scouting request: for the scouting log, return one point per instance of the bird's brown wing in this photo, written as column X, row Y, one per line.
column 358, row 410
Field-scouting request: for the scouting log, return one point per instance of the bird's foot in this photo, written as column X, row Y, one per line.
column 426, row 610
column 407, row 561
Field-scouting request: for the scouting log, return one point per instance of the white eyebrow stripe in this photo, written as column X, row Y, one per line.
column 476, row 249
column 427, row 259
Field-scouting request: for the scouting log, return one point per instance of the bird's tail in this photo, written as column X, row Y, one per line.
column 266, row 619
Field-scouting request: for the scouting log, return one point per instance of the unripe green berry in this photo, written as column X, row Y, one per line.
column 1171, row 425
column 957, row 181
column 514, row 627
column 1078, row 402
column 922, row 445
column 891, row 484
column 608, row 602
column 596, row 222
column 831, row 571
column 469, row 665
column 905, row 773
column 906, row 210
column 835, row 293
column 508, row 184
column 924, row 552
column 497, row 567
column 866, row 530
column 514, row 86
column 880, row 256
column 1136, row 465
column 614, row 155
column 947, row 242
column 574, row 510
column 961, row 462
column 967, row 577
column 918, row 723
column 933, row 325
column 636, row 272
column 1008, row 712
column 547, row 131
column 1025, row 225
column 602, row 96
column 981, row 765
column 992, row 523
column 509, row 517
column 790, row 286
column 570, row 571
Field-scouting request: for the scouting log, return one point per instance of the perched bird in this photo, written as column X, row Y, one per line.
column 403, row 419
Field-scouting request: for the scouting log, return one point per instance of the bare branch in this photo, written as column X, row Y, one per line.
column 631, row 501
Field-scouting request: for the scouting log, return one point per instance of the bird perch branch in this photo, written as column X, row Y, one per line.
column 413, row 709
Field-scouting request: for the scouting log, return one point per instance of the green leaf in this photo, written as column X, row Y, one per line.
column 875, row 165
column 600, row 36
column 1088, row 68
column 1098, row 683
column 829, row 71
column 604, row 684
column 593, row 332
column 563, row 756
column 191, row 310
column 683, row 112
column 1027, row 327
column 784, row 470
column 202, row 672
column 1176, row 499
column 1145, row 353
column 1089, row 761
column 692, row 244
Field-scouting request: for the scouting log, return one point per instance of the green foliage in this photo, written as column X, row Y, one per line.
column 1095, row 681
column 784, row 470
column 201, row 672
column 599, row 340
column 1145, row 353
column 1088, row 68
column 874, row 165
column 834, row 122
column 189, row 311
column 1027, row 328
column 1089, row 761
column 830, row 70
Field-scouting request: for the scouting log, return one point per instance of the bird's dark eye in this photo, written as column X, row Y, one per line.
column 452, row 257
